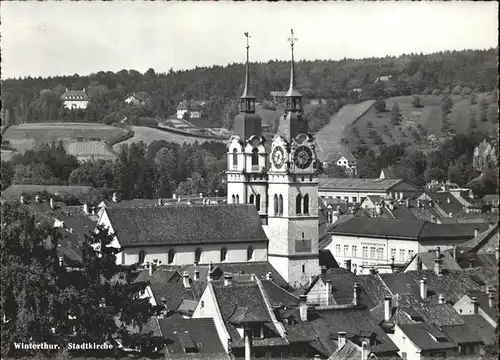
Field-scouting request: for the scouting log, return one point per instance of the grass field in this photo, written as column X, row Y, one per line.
column 329, row 137
column 148, row 135
column 429, row 117
column 84, row 150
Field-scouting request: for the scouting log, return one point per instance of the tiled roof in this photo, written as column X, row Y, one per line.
column 447, row 259
column 482, row 327
column 462, row 334
column 160, row 276
column 374, row 287
column 241, row 301
column 357, row 184
column 486, row 240
column 330, row 155
column 441, row 199
column 350, row 351
column 173, row 293
column 420, row 335
column 278, row 296
column 388, row 172
column 172, row 225
column 200, row 333
column 483, row 301
column 404, row 229
column 14, row 192
column 73, row 95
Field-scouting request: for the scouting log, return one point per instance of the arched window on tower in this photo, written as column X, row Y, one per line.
column 197, row 255
column 298, row 205
column 235, row 157
column 306, row 204
column 280, row 205
column 237, row 199
column 233, row 198
column 223, row 254
column 171, row 256
column 142, row 256
column 251, row 199
column 257, row 202
column 249, row 253
column 276, row 204
column 255, row 157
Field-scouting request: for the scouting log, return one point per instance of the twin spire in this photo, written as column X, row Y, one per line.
column 246, row 92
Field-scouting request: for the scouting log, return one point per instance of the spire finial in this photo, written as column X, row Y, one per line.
column 246, row 93
column 292, row 40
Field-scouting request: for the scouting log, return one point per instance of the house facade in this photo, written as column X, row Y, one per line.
column 75, row 99
column 193, row 108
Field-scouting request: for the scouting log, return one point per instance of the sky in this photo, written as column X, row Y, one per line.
column 63, row 38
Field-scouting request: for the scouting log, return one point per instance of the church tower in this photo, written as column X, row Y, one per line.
column 247, row 157
column 293, row 193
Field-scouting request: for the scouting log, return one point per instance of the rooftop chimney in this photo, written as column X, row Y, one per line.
column 455, row 254
column 393, row 265
column 438, row 253
column 115, row 197
column 51, row 202
column 433, row 218
column 378, row 209
column 476, row 231
column 419, row 203
column 442, row 300
column 248, row 342
column 38, row 199
column 342, row 339
column 328, row 291
column 448, row 200
column 407, row 202
column 419, row 263
column 150, row 268
column 387, row 308
column 160, row 202
column 391, row 206
column 364, row 350
column 210, row 276
column 228, row 279
column 61, row 261
column 185, row 280
column 475, row 305
column 85, row 208
column 357, row 290
column 269, row 276
column 323, row 269
column 491, row 299
column 450, row 214
column 23, row 200
column 303, row 307
column 196, row 273
column 423, row 289
column 438, row 267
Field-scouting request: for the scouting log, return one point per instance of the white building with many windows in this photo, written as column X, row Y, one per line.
column 75, row 99
column 364, row 243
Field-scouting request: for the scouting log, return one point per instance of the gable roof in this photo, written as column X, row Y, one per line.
column 349, row 184
column 350, row 351
column 388, row 173
column 446, row 201
column 329, row 155
column 423, row 336
column 175, row 225
column 427, row 258
column 482, row 327
column 160, row 276
column 74, row 95
column 486, row 241
column 173, row 293
column 403, row 229
column 198, row 333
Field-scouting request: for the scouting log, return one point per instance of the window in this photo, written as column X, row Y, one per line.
column 303, row 269
column 372, row 252
column 354, row 199
column 223, row 254
column 255, row 157
column 354, row 250
column 365, row 251
column 171, row 256
column 380, row 253
column 280, row 207
column 257, row 331
column 306, row 204
column 235, row 157
column 257, row 202
column 298, row 205
column 197, row 255
column 249, row 253
column 275, row 204
column 237, row 199
column 346, row 250
column 402, row 255
column 251, row 199
column 337, row 249
column 142, row 256
column 410, row 254
column 393, row 253
column 404, row 356
column 234, row 199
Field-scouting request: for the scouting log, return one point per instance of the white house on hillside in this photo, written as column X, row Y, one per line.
column 75, row 99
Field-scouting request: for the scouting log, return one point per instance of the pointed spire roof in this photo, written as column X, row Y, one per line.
column 291, row 90
column 247, row 93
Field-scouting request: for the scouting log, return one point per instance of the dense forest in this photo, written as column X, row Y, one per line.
column 348, row 80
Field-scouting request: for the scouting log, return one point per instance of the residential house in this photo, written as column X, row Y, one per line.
column 387, row 173
column 75, row 99
column 355, row 190
column 184, row 234
column 482, row 250
column 383, row 78
column 444, row 203
column 343, row 159
column 193, row 108
column 375, row 242
column 137, row 99
column 426, row 261
column 348, row 350
column 483, row 303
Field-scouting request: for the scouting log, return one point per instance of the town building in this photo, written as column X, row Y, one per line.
column 343, row 159
column 281, row 180
column 192, row 107
column 372, row 242
column 387, row 173
column 355, row 190
column 137, row 99
column 75, row 99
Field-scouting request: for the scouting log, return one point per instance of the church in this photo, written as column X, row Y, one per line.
column 280, row 179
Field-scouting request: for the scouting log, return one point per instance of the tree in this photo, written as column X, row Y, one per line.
column 493, row 113
column 335, row 171
column 395, row 114
column 483, row 109
column 447, row 104
column 380, row 105
column 344, row 141
column 416, row 102
column 186, row 116
column 472, row 120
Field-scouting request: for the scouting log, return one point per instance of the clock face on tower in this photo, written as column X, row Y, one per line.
column 303, row 157
column 278, row 157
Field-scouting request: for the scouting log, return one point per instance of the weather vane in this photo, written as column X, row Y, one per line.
column 248, row 37
column 292, row 39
